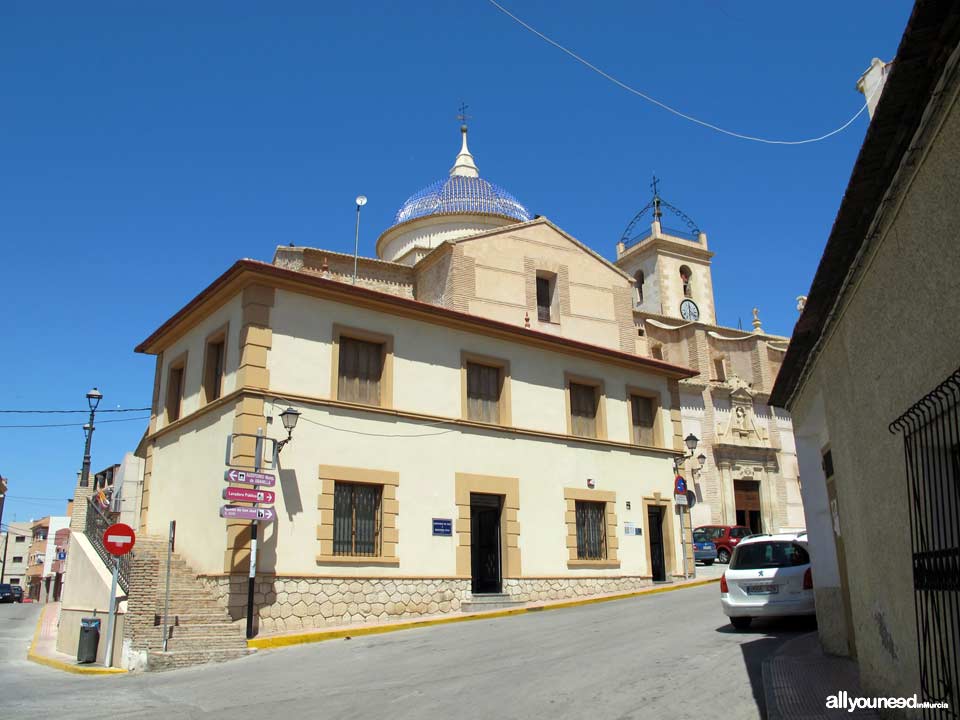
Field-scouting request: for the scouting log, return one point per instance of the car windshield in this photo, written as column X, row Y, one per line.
column 754, row 556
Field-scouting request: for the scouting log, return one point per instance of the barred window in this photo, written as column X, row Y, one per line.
column 584, row 401
column 591, row 530
column 483, row 393
column 642, row 411
column 356, row 519
column 360, row 371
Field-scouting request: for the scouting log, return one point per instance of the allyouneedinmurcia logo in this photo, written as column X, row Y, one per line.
column 845, row 701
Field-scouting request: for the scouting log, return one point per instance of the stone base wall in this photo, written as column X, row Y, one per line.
column 540, row 589
column 290, row 603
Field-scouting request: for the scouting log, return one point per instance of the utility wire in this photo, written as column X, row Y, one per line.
column 45, row 412
column 664, row 106
column 55, row 425
column 369, row 434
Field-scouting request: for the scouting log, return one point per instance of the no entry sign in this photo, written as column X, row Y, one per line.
column 119, row 539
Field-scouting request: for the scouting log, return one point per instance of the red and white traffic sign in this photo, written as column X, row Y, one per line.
column 119, row 539
column 235, row 494
column 234, row 475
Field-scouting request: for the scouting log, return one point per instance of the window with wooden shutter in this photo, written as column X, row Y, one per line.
column 591, row 530
column 643, row 412
column 356, row 519
column 584, row 401
column 483, row 393
column 360, row 371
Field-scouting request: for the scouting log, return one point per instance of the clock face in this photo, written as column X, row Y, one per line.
column 689, row 311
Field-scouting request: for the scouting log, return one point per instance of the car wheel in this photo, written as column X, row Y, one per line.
column 723, row 555
column 708, row 562
column 740, row 623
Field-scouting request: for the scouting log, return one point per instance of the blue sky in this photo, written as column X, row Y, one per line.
column 146, row 146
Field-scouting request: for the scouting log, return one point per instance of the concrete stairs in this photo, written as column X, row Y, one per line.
column 201, row 629
column 484, row 602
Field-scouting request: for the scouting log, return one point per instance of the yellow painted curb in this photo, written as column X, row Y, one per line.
column 32, row 656
column 321, row 635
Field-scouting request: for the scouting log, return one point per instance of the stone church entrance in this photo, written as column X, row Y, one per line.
column 485, row 543
column 746, row 498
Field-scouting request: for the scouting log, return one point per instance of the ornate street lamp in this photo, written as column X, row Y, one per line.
column 289, row 419
column 93, row 400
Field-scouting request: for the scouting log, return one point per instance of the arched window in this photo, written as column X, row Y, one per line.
column 685, row 279
column 639, row 278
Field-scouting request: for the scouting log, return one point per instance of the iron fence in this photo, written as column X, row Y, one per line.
column 931, row 434
column 97, row 523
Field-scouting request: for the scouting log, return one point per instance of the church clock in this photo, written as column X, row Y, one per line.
column 689, row 310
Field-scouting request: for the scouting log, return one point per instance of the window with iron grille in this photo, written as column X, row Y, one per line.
column 483, row 393
column 360, row 371
column 591, row 530
column 642, row 414
column 584, row 401
column 356, row 519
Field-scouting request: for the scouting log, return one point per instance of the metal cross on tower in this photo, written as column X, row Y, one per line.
column 462, row 115
column 654, row 185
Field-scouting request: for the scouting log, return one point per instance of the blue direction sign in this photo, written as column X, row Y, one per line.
column 443, row 527
column 233, row 512
column 235, row 475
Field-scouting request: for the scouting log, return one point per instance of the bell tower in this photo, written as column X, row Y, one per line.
column 670, row 264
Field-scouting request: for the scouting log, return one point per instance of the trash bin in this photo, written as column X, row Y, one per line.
column 89, row 640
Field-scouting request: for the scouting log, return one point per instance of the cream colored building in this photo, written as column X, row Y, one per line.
column 750, row 475
column 481, row 377
column 15, row 544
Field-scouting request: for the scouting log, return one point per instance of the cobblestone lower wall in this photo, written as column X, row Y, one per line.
column 290, row 603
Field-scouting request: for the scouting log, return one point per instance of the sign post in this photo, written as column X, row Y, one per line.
column 680, row 498
column 118, row 539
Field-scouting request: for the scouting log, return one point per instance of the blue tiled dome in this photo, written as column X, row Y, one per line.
column 462, row 194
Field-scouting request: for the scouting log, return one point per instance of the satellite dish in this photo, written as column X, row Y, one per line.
column 361, row 200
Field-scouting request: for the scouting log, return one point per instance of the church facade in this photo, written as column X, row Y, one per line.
column 479, row 419
column 747, row 472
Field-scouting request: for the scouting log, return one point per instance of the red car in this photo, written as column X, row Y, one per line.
column 725, row 537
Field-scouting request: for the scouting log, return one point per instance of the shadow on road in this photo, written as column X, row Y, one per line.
column 770, row 634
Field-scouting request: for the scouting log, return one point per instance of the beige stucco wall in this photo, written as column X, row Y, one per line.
column 194, row 344
column 894, row 340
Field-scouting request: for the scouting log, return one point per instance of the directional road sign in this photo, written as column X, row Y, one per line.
column 119, row 539
column 232, row 512
column 235, row 494
column 251, row 478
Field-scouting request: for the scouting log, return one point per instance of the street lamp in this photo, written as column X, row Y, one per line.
column 93, row 400
column 361, row 201
column 289, row 419
column 691, row 441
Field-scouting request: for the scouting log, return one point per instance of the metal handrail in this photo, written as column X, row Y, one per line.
column 97, row 524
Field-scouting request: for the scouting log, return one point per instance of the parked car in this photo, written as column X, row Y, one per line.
column 704, row 549
column 17, row 593
column 725, row 537
column 769, row 576
column 6, row 593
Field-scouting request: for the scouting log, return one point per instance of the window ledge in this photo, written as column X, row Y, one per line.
column 357, row 560
column 593, row 563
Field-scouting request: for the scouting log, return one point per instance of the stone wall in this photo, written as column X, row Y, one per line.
column 295, row 603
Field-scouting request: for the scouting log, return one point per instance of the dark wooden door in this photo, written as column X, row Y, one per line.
column 746, row 498
column 485, row 543
column 655, row 536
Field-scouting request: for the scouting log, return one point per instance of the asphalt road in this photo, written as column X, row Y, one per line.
column 670, row 655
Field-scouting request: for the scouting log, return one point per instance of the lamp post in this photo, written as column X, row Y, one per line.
column 691, row 441
column 361, row 201
column 93, row 399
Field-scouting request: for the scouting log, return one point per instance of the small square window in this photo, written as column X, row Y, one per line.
column 356, row 519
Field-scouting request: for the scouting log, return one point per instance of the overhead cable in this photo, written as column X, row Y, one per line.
column 55, row 425
column 668, row 108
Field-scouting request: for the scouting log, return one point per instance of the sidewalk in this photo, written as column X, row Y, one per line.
column 798, row 679
column 277, row 640
column 43, row 649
